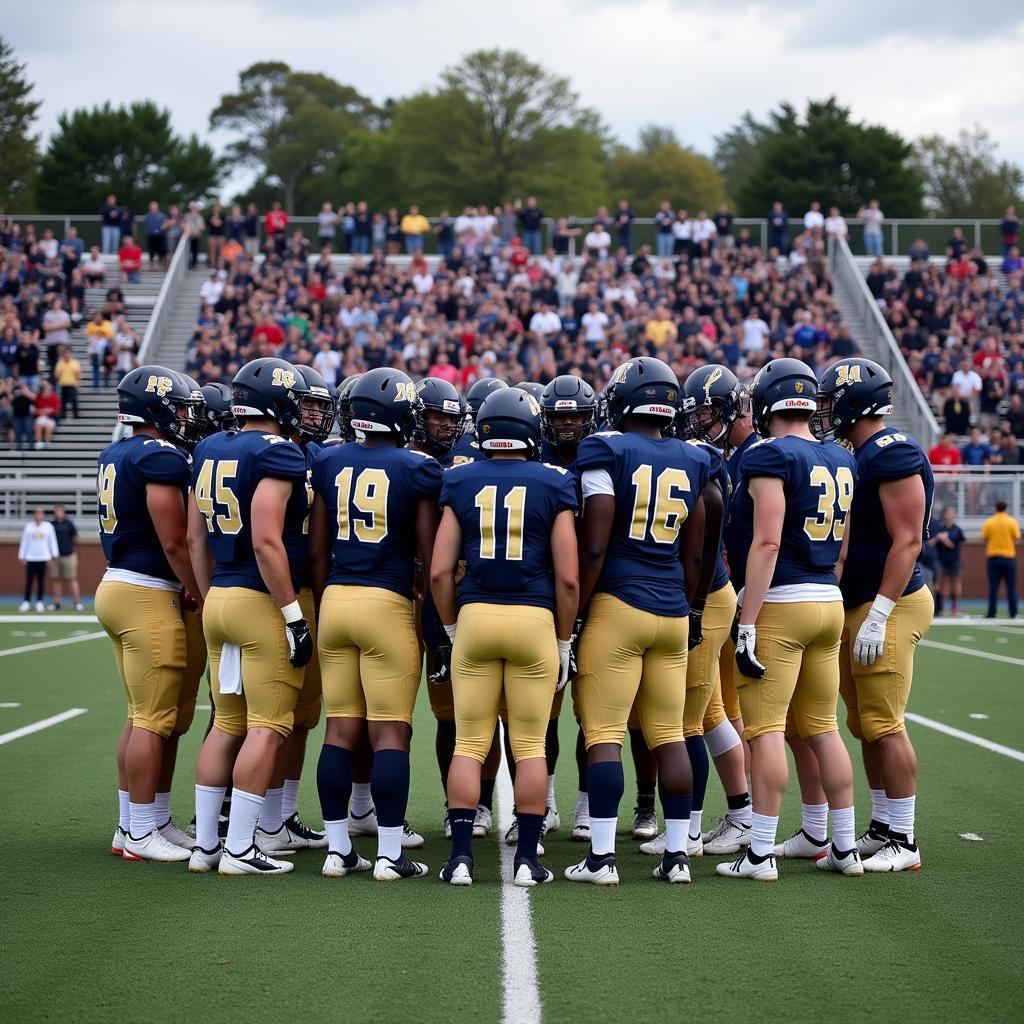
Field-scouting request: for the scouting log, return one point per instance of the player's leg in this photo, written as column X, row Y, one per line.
column 727, row 750
column 123, row 802
column 552, row 748
column 645, row 766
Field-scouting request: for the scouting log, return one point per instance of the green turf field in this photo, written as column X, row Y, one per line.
column 89, row 937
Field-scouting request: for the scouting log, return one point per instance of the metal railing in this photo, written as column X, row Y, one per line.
column 22, row 490
column 847, row 275
column 974, row 491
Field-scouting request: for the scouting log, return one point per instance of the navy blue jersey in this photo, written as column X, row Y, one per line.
column 656, row 482
column 885, row 456
column 506, row 508
column 733, row 462
column 227, row 467
column 818, row 478
column 126, row 530
column 466, row 450
column 372, row 497
column 298, row 553
column 720, row 474
column 549, row 454
column 949, row 557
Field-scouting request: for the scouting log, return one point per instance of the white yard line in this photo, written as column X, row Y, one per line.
column 520, row 993
column 41, row 618
column 1005, row 658
column 58, row 643
column 967, row 737
column 27, row 730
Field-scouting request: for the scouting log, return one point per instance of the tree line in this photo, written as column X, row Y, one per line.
column 495, row 126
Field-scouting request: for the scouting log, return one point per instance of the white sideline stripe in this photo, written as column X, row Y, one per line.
column 27, row 730
column 1005, row 658
column 61, row 643
column 967, row 737
column 520, row 994
column 44, row 617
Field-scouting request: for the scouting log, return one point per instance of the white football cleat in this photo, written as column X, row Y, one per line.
column 458, row 871
column 252, row 862
column 339, row 865
column 202, row 860
column 800, row 846
column 411, row 839
column 645, row 823
column 153, row 847
column 175, row 835
column 24, row 606
column 580, row 827
column 40, row 607
column 273, row 844
column 302, row 837
column 726, row 837
column 117, row 843
column 481, row 823
column 552, row 820
column 512, row 835
column 600, row 871
column 387, row 870
column 654, row 847
column 896, row 855
column 677, row 869
column 363, row 824
column 849, row 865
column 744, row 867
column 529, row 873
column 871, row 841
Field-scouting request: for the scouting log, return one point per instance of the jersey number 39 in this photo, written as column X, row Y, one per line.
column 833, row 503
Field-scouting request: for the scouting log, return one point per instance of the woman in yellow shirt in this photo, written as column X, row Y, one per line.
column 1001, row 534
column 414, row 227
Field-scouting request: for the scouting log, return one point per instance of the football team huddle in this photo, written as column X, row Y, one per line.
column 706, row 567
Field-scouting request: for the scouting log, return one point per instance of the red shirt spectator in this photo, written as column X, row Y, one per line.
column 269, row 332
column 276, row 220
column 48, row 405
column 945, row 453
column 961, row 268
column 444, row 369
column 518, row 254
column 130, row 256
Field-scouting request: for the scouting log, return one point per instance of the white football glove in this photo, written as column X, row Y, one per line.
column 746, row 659
column 867, row 648
column 564, row 659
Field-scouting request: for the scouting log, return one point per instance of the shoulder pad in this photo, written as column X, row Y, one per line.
column 277, row 439
column 422, row 455
column 557, row 469
column 757, row 444
column 888, row 439
column 162, row 442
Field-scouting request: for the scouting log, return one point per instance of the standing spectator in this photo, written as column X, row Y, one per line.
column 47, row 413
column 624, row 225
column 1014, row 415
column 252, row 230
column 22, row 402
column 531, row 216
column 38, row 545
column 945, row 453
column 110, row 226
column 1012, row 262
column 173, row 229
column 326, row 222
column 27, row 361
column 236, row 226
column 327, row 361
column 126, row 224
column 70, row 252
column 968, row 380
column 957, row 244
column 156, row 240
column 873, row 219
column 194, row 229
column 814, row 220
column 682, row 236
column 57, row 331
column 723, row 227
column 65, row 565
column 216, row 232
column 597, row 241
column 947, row 542
column 778, row 228
column 69, row 377
column 545, row 322
column 704, row 232
column 130, row 258
column 126, row 344
column 1001, row 534
column 275, row 224
column 956, row 414
column 347, row 219
column 393, row 233
column 445, row 233
column 755, row 332
column 8, row 351
column 974, row 453
column 1009, row 229
column 99, row 334
column 663, row 221
column 6, row 412
column 362, row 230
column 414, row 227
column 595, row 325
column 835, row 224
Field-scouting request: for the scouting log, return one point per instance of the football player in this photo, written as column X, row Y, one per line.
column 786, row 530
column 512, row 516
column 141, row 485
column 467, row 449
column 888, row 606
column 375, row 506
column 247, row 516
column 643, row 535
column 281, row 831
column 217, row 410
column 344, row 403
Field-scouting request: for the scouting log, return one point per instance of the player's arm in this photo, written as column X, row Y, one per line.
column 565, row 560
column 167, row 512
column 428, row 519
column 598, row 518
column 268, row 511
column 700, row 576
column 447, row 546
column 199, row 548
column 319, row 547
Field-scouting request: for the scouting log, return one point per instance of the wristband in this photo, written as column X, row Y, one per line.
column 292, row 612
column 881, row 607
column 450, row 630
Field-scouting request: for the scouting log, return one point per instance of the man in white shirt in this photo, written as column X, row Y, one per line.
column 38, row 546
column 755, row 332
column 597, row 241
column 595, row 324
column 968, row 381
column 835, row 224
column 704, row 233
column 327, row 362
column 814, row 219
column 212, row 290
column 545, row 322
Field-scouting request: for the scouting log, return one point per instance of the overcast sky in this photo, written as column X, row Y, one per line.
column 695, row 65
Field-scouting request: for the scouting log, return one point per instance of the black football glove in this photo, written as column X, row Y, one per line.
column 746, row 659
column 574, row 647
column 300, row 643
column 696, row 637
column 735, row 629
column 442, row 666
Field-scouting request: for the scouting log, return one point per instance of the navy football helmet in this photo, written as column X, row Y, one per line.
column 509, row 420
column 269, row 388
column 384, row 402
column 479, row 391
column 642, row 387
column 531, row 387
column 217, row 415
column 569, row 410
column 344, row 401
column 782, row 385
column 443, row 399
column 848, row 391
column 713, row 399
column 164, row 399
column 317, row 406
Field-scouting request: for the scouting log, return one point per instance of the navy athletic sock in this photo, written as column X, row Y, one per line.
column 389, row 786
column 530, row 826
column 461, row 820
column 487, row 792
column 738, row 802
column 675, row 807
column 605, row 784
column 699, row 764
column 334, row 781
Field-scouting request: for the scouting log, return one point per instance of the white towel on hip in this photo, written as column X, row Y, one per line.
column 230, row 675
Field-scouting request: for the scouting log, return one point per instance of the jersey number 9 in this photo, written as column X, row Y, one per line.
column 833, row 503
column 105, row 497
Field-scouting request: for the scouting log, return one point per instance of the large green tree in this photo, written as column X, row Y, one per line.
column 824, row 155
column 130, row 151
column 292, row 127
column 19, row 147
column 736, row 149
column 964, row 177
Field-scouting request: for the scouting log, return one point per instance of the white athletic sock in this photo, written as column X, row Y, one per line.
column 389, row 842
column 337, row 837
column 602, row 835
column 551, row 792
column 245, row 813
column 721, row 739
column 208, row 804
column 901, row 815
column 842, row 829
column 124, row 821
column 695, row 820
column 290, row 798
column 762, row 834
column 740, row 815
column 143, row 819
column 879, row 806
column 582, row 804
column 814, row 821
column 162, row 805
column 270, row 812
column 676, row 831
column 361, row 802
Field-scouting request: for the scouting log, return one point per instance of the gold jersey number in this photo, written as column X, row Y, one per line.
column 106, row 479
column 833, row 503
column 368, row 495
column 662, row 519
column 213, row 488
column 514, row 504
